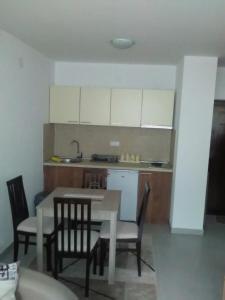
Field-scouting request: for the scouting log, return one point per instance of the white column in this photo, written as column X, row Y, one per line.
column 196, row 78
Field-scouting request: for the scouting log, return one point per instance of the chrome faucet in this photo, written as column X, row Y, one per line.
column 78, row 147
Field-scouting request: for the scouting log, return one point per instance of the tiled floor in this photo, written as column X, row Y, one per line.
column 190, row 267
column 187, row 267
column 128, row 285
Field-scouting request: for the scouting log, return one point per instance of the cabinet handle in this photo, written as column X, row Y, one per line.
column 85, row 122
column 156, row 126
column 145, row 173
column 74, row 122
column 116, row 124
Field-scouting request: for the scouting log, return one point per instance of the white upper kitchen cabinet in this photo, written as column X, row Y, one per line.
column 126, row 107
column 95, row 106
column 64, row 104
column 157, row 109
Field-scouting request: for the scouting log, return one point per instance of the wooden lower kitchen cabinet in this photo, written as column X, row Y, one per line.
column 62, row 176
column 158, row 209
column 160, row 182
column 55, row 176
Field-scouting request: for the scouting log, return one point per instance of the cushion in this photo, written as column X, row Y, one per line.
column 8, row 281
column 30, row 225
column 34, row 285
column 94, row 239
column 125, row 230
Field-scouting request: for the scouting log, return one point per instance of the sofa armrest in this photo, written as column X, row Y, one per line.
column 35, row 285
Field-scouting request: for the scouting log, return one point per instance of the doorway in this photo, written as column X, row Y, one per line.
column 215, row 204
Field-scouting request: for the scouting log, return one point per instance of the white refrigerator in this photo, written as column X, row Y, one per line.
column 127, row 182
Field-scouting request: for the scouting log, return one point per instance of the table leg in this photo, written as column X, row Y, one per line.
column 112, row 248
column 40, row 239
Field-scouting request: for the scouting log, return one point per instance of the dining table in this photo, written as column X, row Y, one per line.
column 105, row 205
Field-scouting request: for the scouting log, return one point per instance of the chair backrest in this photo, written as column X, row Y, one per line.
column 93, row 180
column 142, row 211
column 72, row 223
column 18, row 200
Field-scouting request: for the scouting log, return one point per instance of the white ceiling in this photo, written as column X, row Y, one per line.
column 80, row 30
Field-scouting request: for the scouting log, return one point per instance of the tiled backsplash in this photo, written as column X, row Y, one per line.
column 151, row 144
column 48, row 141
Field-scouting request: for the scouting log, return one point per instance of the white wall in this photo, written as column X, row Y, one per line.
column 25, row 76
column 115, row 75
column 220, row 84
column 196, row 93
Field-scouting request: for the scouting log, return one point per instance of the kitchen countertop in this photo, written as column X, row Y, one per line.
column 119, row 165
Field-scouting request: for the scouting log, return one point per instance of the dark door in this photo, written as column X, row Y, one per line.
column 216, row 175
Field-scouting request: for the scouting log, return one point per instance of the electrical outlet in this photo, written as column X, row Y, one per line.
column 114, row 143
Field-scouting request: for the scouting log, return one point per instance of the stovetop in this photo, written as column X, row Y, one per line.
column 105, row 158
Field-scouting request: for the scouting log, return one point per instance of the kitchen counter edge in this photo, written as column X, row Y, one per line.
column 117, row 166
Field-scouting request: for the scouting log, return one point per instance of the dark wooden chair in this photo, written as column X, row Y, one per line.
column 127, row 232
column 94, row 179
column 23, row 225
column 73, row 235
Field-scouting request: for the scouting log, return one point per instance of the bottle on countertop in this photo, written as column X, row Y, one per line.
column 122, row 157
column 137, row 158
column 132, row 157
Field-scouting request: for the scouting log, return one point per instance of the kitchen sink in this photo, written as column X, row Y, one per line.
column 69, row 160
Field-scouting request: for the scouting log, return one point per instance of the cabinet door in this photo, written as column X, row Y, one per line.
column 62, row 176
column 126, row 107
column 95, row 106
column 158, row 209
column 64, row 104
column 157, row 108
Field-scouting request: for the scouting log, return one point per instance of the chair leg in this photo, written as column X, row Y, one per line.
column 26, row 243
column 55, row 270
column 49, row 254
column 88, row 262
column 102, row 256
column 61, row 265
column 138, row 249
column 15, row 248
column 95, row 258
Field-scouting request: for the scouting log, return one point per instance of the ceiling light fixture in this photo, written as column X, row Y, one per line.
column 122, row 43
